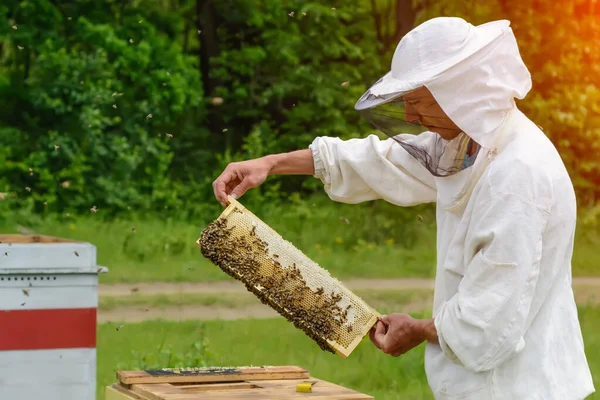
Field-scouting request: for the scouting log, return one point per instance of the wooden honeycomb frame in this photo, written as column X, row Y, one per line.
column 360, row 317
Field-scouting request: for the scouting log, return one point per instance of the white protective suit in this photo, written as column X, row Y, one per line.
column 504, row 307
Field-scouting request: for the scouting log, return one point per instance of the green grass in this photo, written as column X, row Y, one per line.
column 351, row 241
column 108, row 303
column 166, row 251
column 377, row 299
column 276, row 342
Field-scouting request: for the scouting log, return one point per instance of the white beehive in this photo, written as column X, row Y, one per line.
column 48, row 302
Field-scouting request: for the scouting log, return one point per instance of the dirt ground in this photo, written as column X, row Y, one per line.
column 587, row 290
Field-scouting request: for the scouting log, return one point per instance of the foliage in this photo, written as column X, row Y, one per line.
column 119, row 90
column 86, row 108
column 136, row 106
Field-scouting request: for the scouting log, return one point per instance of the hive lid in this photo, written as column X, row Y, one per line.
column 34, row 254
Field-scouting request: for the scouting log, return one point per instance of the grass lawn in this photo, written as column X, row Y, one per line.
column 166, row 251
column 393, row 299
column 276, row 342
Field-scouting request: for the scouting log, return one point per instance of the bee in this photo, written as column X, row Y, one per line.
column 76, row 253
column 319, row 290
column 26, row 292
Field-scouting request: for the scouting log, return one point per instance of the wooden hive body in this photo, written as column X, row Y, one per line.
column 282, row 277
column 264, row 383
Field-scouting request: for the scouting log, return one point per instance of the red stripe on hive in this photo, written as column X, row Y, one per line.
column 48, row 329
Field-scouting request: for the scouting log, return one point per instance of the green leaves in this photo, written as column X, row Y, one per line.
column 105, row 94
column 118, row 86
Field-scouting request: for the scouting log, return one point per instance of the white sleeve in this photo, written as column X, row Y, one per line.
column 359, row 170
column 484, row 323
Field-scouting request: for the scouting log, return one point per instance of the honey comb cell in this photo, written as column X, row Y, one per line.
column 285, row 279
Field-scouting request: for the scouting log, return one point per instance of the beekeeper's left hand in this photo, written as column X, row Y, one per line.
column 395, row 334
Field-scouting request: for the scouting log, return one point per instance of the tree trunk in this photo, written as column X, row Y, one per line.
column 205, row 23
column 405, row 19
column 186, row 36
column 391, row 29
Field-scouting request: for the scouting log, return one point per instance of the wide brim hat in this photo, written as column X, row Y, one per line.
column 426, row 52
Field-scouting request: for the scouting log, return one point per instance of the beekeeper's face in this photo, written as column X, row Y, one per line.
column 422, row 108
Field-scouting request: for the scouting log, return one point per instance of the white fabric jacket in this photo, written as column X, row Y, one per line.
column 503, row 306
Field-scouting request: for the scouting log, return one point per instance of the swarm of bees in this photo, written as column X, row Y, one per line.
column 315, row 312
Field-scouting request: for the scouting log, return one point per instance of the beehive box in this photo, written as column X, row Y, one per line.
column 282, row 277
column 48, row 302
column 264, row 382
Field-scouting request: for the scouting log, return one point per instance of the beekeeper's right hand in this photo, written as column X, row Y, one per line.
column 238, row 177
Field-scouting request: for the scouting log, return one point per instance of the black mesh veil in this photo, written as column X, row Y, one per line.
column 410, row 125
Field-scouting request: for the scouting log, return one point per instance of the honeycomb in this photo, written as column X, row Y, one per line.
column 282, row 277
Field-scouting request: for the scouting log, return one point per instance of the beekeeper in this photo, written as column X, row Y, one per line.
column 505, row 323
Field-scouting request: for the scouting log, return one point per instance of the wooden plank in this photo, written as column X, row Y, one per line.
column 34, row 239
column 204, row 387
column 110, row 393
column 200, row 375
column 264, row 390
column 321, row 390
column 345, row 352
column 158, row 391
column 123, row 390
column 232, row 206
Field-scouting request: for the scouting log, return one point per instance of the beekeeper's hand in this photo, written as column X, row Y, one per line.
column 239, row 177
column 395, row 334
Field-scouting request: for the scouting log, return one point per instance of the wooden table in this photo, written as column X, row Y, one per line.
column 265, row 383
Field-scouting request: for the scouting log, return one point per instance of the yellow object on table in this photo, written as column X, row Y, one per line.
column 305, row 387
